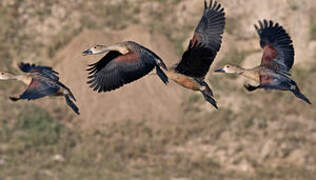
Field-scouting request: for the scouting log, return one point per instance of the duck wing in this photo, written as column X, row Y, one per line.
column 40, row 87
column 205, row 43
column 43, row 70
column 116, row 69
column 278, row 51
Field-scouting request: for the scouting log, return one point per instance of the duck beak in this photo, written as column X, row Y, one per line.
column 87, row 52
column 219, row 70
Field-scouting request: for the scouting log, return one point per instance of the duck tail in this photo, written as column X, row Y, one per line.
column 68, row 91
column 208, row 94
column 71, row 104
column 162, row 75
column 71, row 95
column 300, row 95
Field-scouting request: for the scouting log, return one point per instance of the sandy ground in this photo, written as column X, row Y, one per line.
column 147, row 98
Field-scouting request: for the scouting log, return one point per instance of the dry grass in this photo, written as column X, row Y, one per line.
column 31, row 137
column 312, row 25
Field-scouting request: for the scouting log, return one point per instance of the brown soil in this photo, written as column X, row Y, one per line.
column 147, row 98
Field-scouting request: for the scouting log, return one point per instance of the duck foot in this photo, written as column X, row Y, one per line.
column 14, row 98
column 250, row 87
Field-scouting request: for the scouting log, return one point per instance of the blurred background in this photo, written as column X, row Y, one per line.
column 147, row 130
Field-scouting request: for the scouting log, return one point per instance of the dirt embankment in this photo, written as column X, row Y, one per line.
column 147, row 98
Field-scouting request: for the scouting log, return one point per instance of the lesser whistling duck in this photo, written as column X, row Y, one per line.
column 190, row 72
column 42, row 81
column 124, row 62
column 277, row 60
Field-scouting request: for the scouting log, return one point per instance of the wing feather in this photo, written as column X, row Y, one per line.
column 278, row 50
column 38, row 88
column 118, row 71
column 43, row 70
column 205, row 43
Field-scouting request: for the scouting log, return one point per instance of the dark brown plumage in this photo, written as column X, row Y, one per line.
column 205, row 44
column 124, row 62
column 201, row 52
column 276, row 61
column 42, row 81
column 278, row 51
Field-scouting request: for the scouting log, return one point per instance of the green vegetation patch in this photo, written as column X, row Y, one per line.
column 231, row 25
column 312, row 24
column 312, row 31
column 33, row 128
column 37, row 127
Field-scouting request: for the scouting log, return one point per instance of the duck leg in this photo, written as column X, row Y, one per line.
column 71, row 104
column 162, row 75
column 69, row 97
column 296, row 91
column 207, row 93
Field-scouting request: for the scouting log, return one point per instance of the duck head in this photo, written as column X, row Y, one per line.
column 100, row 49
column 97, row 49
column 230, row 69
column 5, row 76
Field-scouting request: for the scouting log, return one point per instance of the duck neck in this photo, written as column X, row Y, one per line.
column 239, row 70
column 23, row 78
column 251, row 74
column 10, row 76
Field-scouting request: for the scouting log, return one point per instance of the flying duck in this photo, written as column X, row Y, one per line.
column 276, row 62
column 191, row 70
column 123, row 63
column 42, row 81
